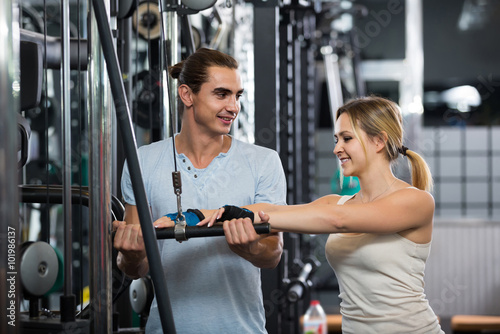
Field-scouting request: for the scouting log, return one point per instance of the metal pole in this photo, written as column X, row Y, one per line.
column 9, row 224
column 66, row 145
column 125, row 124
column 170, row 43
column 100, row 127
column 412, row 85
column 124, row 56
column 332, row 79
column 266, row 37
column 67, row 300
column 267, row 79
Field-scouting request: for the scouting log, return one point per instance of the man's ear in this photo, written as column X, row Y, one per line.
column 381, row 141
column 185, row 94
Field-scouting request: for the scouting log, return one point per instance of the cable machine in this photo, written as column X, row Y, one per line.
column 92, row 51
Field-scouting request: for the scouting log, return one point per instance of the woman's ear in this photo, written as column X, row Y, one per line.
column 185, row 94
column 381, row 140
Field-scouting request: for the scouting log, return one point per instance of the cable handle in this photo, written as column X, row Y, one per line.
column 176, row 180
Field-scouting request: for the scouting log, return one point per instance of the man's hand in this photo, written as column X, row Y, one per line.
column 241, row 234
column 263, row 251
column 129, row 242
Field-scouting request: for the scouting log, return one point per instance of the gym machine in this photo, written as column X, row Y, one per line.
column 40, row 255
column 85, row 53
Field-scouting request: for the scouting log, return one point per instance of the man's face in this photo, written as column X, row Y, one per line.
column 217, row 103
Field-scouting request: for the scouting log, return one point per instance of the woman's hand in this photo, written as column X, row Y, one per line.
column 163, row 222
column 211, row 217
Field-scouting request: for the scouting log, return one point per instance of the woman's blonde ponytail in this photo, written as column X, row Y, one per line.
column 421, row 176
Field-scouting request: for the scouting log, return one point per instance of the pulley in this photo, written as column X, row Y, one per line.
column 141, row 294
column 198, row 4
column 147, row 20
column 39, row 268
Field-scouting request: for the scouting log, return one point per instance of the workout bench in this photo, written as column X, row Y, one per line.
column 475, row 324
column 333, row 321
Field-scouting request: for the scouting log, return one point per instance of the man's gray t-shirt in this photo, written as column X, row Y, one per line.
column 211, row 289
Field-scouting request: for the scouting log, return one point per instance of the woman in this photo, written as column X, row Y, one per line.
column 380, row 237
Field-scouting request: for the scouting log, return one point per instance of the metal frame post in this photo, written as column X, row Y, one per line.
column 9, row 224
column 68, row 306
column 267, row 118
column 267, row 104
column 100, row 111
column 170, row 52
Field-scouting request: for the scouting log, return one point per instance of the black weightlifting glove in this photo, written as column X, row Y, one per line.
column 232, row 212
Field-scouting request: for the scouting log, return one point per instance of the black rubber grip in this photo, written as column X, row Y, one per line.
column 203, row 231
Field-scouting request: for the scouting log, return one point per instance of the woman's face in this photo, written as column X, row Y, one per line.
column 348, row 148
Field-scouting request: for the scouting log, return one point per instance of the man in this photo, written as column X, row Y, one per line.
column 214, row 283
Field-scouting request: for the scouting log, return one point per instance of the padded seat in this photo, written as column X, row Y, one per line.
column 333, row 321
column 475, row 323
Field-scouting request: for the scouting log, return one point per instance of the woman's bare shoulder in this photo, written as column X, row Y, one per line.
column 412, row 195
column 327, row 199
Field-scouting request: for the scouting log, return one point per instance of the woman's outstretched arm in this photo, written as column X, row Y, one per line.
column 402, row 210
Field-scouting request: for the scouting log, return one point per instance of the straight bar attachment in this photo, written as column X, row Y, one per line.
column 202, row 231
